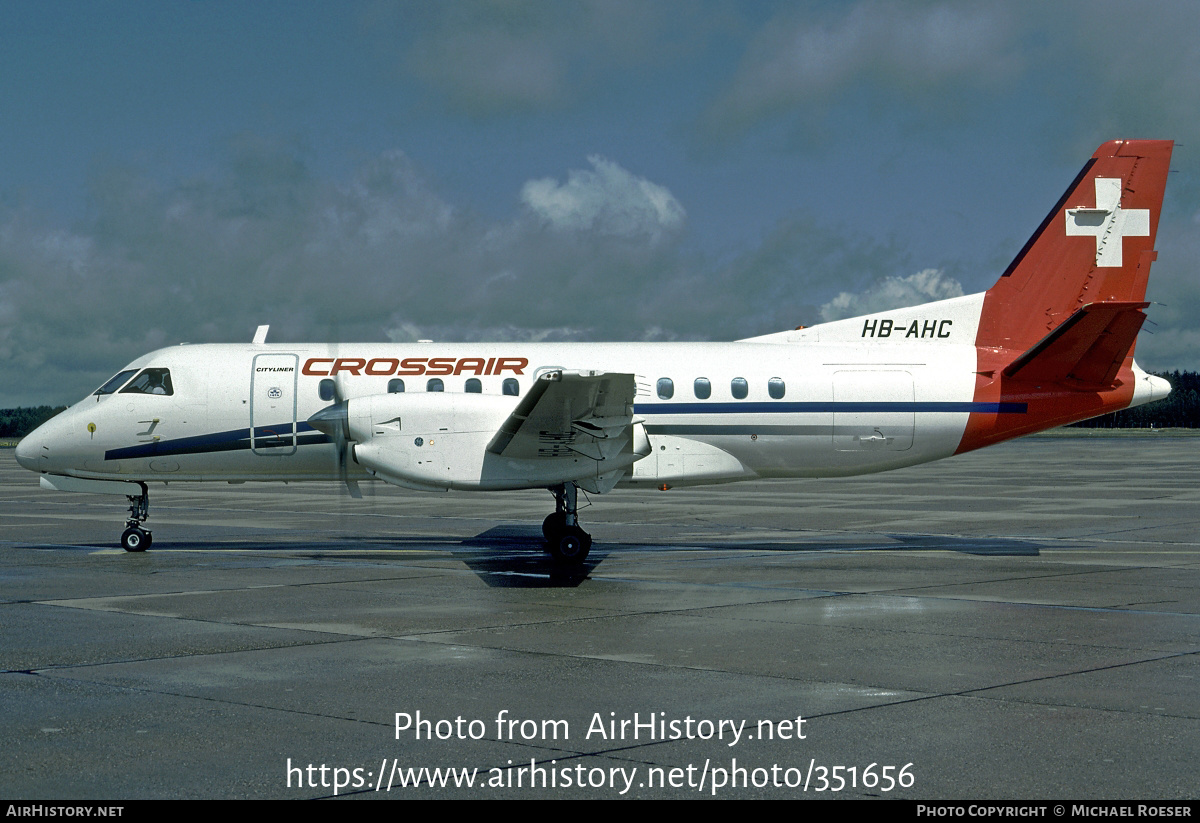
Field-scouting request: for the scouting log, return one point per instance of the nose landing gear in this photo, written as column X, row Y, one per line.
column 135, row 538
column 568, row 544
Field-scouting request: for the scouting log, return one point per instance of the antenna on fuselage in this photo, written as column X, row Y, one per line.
column 260, row 336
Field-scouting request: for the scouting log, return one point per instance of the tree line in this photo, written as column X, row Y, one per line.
column 1180, row 410
column 20, row 422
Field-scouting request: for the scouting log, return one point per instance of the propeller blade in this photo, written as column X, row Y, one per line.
column 334, row 422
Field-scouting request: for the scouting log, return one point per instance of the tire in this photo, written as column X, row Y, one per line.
column 572, row 548
column 135, row 540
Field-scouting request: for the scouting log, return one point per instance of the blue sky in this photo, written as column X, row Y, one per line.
column 175, row 171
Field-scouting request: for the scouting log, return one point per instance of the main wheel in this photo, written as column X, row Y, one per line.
column 553, row 526
column 135, row 540
column 572, row 547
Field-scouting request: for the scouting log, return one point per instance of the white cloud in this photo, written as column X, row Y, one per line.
column 925, row 286
column 1130, row 80
column 379, row 255
column 493, row 59
column 921, row 51
column 1170, row 337
column 607, row 200
column 410, row 333
column 486, row 72
column 1167, row 349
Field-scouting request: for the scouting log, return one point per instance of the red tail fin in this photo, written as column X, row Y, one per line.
column 1057, row 331
column 1095, row 246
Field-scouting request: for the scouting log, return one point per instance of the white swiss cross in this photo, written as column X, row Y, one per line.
column 1108, row 222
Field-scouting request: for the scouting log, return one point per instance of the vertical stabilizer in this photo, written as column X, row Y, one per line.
column 1057, row 331
column 1095, row 246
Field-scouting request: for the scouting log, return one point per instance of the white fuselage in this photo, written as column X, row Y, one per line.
column 839, row 399
column 856, row 396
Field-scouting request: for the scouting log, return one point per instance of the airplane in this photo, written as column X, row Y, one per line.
column 1051, row 343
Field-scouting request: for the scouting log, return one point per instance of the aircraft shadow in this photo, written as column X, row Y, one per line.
column 983, row 546
column 502, row 556
column 506, row 559
column 514, row 556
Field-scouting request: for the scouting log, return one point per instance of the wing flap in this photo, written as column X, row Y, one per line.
column 570, row 412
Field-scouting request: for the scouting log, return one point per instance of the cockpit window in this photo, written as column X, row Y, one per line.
column 116, row 382
column 150, row 381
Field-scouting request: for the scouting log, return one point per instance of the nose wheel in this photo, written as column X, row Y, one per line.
column 567, row 543
column 135, row 538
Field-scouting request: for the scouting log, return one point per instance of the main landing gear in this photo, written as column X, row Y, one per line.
column 568, row 544
column 135, row 538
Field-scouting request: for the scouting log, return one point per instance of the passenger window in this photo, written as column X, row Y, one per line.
column 739, row 388
column 326, row 389
column 666, row 388
column 435, row 384
column 150, row 381
column 474, row 386
column 395, row 386
column 702, row 388
column 775, row 388
column 511, row 387
column 116, row 382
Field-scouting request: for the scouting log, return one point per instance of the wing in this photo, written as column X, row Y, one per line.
column 570, row 412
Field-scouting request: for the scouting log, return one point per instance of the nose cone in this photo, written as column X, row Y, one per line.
column 51, row 447
column 29, row 448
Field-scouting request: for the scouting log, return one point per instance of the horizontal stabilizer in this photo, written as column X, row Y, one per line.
column 1087, row 349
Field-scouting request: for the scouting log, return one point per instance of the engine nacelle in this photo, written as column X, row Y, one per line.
column 426, row 415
